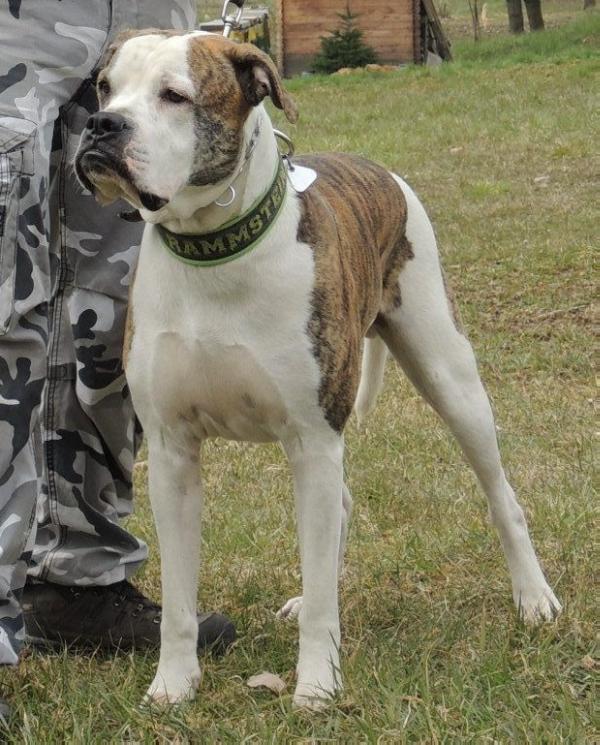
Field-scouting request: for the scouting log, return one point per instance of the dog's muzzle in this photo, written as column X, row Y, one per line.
column 104, row 138
column 101, row 149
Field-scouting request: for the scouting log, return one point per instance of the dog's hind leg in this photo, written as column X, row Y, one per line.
column 293, row 606
column 423, row 335
column 176, row 497
column 371, row 377
column 346, row 515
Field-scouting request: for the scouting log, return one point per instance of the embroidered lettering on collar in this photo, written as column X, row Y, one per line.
column 233, row 239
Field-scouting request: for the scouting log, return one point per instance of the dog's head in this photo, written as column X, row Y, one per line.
column 172, row 114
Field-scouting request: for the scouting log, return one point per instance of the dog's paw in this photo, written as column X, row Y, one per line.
column 312, row 697
column 291, row 609
column 169, row 688
column 537, row 604
column 319, row 680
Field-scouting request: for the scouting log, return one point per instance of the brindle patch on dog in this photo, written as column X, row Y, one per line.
column 220, row 110
column 227, row 87
column 354, row 218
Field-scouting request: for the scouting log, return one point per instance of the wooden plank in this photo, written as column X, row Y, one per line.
column 417, row 52
column 441, row 41
column 279, row 38
column 303, row 39
column 315, row 8
column 310, row 38
column 328, row 18
column 324, row 30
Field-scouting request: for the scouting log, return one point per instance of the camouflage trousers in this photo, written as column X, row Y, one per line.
column 68, row 432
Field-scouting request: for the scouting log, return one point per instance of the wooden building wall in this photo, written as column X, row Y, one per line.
column 391, row 27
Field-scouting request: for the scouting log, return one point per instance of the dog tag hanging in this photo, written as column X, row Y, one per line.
column 300, row 177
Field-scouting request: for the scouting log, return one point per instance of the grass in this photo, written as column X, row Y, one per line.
column 580, row 39
column 506, row 159
column 456, row 16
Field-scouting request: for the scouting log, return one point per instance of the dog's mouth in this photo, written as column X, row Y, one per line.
column 103, row 172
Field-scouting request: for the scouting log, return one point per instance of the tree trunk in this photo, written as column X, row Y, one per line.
column 534, row 15
column 515, row 16
column 589, row 4
column 474, row 8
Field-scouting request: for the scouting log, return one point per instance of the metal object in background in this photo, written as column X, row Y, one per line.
column 253, row 27
column 231, row 22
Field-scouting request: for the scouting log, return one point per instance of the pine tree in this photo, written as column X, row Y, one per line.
column 344, row 47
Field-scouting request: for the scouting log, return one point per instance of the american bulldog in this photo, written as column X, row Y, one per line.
column 255, row 293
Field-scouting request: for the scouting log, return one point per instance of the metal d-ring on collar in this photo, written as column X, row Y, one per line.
column 229, row 201
column 287, row 157
column 249, row 150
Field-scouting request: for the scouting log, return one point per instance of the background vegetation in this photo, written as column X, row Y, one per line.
column 502, row 147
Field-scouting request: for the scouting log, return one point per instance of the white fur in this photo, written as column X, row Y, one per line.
column 137, row 78
column 224, row 351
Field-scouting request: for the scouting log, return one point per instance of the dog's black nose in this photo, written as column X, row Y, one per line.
column 104, row 123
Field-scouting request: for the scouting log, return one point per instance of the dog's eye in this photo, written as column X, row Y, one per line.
column 103, row 87
column 172, row 96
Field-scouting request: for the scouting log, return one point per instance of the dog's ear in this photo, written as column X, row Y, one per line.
column 258, row 78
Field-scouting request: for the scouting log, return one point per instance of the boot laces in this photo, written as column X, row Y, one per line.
column 127, row 593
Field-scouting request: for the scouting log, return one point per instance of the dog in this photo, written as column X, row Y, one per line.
column 252, row 302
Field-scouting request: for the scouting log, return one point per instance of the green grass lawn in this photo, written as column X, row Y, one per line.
column 505, row 155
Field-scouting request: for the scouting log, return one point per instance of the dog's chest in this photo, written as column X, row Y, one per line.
column 217, row 388
column 223, row 354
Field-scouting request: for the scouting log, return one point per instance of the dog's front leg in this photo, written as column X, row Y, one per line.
column 176, row 497
column 318, row 476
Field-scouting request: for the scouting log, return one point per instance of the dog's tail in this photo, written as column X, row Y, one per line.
column 371, row 377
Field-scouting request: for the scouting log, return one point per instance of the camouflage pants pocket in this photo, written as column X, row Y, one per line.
column 16, row 155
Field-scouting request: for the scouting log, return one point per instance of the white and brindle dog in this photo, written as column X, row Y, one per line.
column 248, row 314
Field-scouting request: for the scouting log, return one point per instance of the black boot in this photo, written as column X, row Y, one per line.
column 109, row 617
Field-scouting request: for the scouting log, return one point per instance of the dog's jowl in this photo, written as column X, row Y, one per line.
column 250, row 311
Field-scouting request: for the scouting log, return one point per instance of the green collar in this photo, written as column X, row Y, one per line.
column 235, row 238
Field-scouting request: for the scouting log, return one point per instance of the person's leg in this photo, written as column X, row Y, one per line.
column 40, row 69
column 22, row 372
column 91, row 434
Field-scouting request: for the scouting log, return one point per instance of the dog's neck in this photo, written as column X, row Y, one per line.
column 195, row 209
